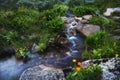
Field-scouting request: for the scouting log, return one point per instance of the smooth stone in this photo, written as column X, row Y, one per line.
column 88, row 29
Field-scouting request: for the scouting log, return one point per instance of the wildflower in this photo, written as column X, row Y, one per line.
column 78, row 69
column 74, row 60
column 79, row 63
column 116, row 55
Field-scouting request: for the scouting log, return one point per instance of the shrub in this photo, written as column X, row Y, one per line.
column 30, row 24
column 40, row 4
column 22, row 53
column 87, row 55
column 25, row 18
column 95, row 40
column 103, row 46
column 73, row 3
column 57, row 10
column 56, row 25
column 90, row 73
column 5, row 18
column 83, row 10
column 103, row 21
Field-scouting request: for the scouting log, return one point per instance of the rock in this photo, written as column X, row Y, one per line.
column 42, row 72
column 78, row 18
column 34, row 48
column 110, row 67
column 116, row 37
column 85, row 21
column 7, row 52
column 110, row 10
column 88, row 29
column 87, row 17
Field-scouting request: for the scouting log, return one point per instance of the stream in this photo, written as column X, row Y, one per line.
column 10, row 68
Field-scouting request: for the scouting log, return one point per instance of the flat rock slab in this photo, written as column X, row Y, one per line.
column 88, row 29
column 42, row 72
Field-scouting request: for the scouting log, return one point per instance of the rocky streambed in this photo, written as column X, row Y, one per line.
column 51, row 67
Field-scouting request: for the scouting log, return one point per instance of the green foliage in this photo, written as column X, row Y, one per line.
column 39, row 4
column 86, row 55
column 22, row 52
column 73, row 3
column 56, row 25
column 3, row 42
column 26, row 25
column 107, row 50
column 25, row 18
column 83, row 10
column 57, row 10
column 90, row 73
column 103, row 21
column 103, row 46
column 102, row 5
column 96, row 40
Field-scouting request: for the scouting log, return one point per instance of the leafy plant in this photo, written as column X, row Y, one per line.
column 92, row 72
column 103, row 46
column 83, row 10
column 103, row 21
column 39, row 4
column 87, row 55
column 22, row 52
column 56, row 25
column 96, row 40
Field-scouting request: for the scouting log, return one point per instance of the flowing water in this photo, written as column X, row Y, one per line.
column 11, row 68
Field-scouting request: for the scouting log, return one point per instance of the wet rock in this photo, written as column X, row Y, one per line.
column 7, row 52
column 42, row 72
column 88, row 29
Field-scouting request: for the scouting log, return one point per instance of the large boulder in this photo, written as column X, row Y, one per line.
column 88, row 29
column 110, row 67
column 42, row 72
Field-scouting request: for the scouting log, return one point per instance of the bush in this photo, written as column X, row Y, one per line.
column 56, row 25
column 96, row 40
column 90, row 73
column 103, row 21
column 22, row 53
column 107, row 50
column 30, row 24
column 87, row 55
column 57, row 10
column 39, row 4
column 73, row 3
column 103, row 46
column 83, row 10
